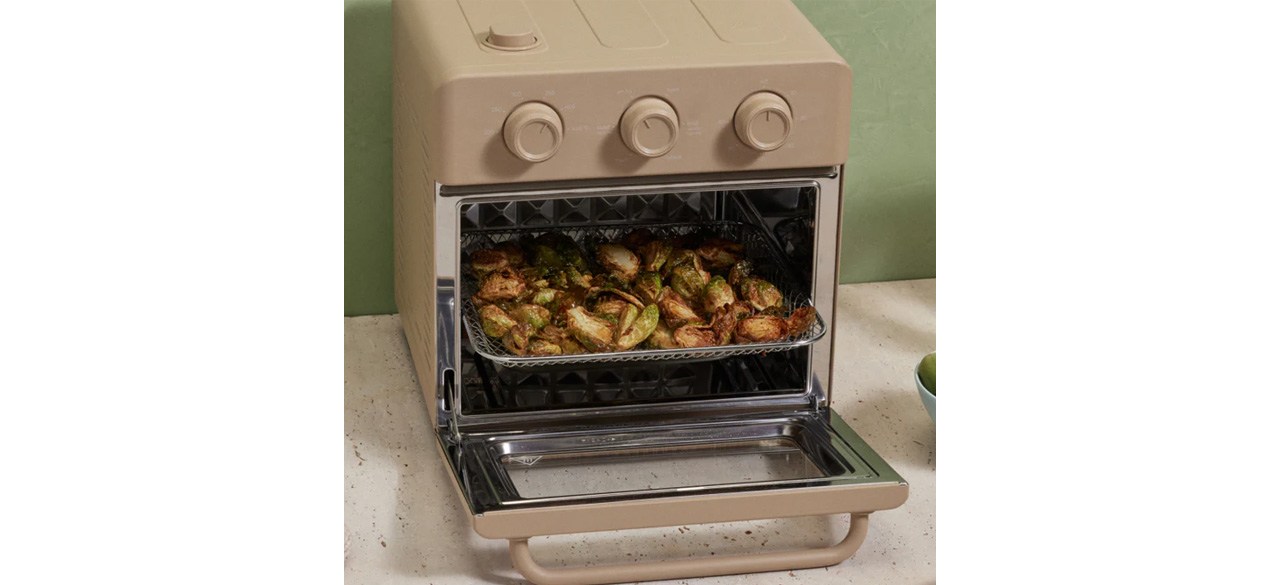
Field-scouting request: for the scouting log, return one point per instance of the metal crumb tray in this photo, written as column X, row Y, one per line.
column 764, row 255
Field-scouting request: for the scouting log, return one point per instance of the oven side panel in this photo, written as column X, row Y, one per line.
column 413, row 200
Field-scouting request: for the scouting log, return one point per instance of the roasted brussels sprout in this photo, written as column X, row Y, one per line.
column 575, row 278
column 717, row 295
column 725, row 320
column 695, row 336
column 594, row 333
column 543, row 347
column 488, row 260
column 648, row 286
column 655, row 255
column 719, row 253
column 544, row 296
column 540, row 296
column 517, row 338
column 546, row 257
column 740, row 271
column 626, row 318
column 675, row 311
column 611, row 306
column 637, row 238
column 502, row 285
column 760, row 328
column 561, row 338
column 495, row 321
column 662, row 337
column 628, row 297
column 536, row 316
column 619, row 261
column 800, row 321
column 760, row 293
column 681, row 257
column 505, row 255
column 571, row 254
column 688, row 281
column 640, row 327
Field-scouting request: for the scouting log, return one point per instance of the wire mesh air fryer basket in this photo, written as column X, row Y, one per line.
column 767, row 262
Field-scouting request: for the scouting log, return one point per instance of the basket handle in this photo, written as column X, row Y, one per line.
column 688, row 568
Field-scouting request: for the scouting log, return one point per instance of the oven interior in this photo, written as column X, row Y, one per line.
column 787, row 214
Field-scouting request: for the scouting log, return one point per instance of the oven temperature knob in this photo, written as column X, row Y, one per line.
column 533, row 132
column 650, row 127
column 763, row 121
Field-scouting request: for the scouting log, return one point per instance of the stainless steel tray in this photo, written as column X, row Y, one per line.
column 757, row 246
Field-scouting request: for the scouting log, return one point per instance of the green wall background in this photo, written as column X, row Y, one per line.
column 889, row 179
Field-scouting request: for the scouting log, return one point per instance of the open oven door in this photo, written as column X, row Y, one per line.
column 642, row 475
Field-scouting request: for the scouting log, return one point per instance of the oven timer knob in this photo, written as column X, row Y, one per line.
column 650, row 127
column 763, row 121
column 533, row 132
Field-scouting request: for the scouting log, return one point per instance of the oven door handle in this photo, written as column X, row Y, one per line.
column 689, row 568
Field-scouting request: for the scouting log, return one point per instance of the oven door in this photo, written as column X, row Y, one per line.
column 524, row 484
column 639, row 475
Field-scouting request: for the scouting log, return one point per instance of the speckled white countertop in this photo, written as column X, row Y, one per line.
column 405, row 523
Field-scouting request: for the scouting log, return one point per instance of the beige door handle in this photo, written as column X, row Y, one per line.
column 686, row 568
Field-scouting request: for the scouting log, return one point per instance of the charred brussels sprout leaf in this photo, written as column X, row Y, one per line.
column 655, row 255
column 688, row 281
column 543, row 347
column 648, row 286
column 760, row 328
column 544, row 296
column 517, row 338
column 719, row 253
column 536, row 316
column 675, row 311
column 800, row 321
column 717, row 295
column 662, row 337
column 502, row 285
column 695, row 336
column 639, row 329
column 760, row 293
column 495, row 321
column 619, row 261
column 594, row 333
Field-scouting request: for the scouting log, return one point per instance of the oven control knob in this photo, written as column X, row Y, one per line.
column 650, row 127
column 763, row 121
column 533, row 132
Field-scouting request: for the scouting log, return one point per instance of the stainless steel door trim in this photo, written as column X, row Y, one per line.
column 828, row 442
column 827, row 227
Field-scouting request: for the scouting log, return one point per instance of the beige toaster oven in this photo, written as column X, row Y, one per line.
column 588, row 126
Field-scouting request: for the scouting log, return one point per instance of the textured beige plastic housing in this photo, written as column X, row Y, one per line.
column 591, row 60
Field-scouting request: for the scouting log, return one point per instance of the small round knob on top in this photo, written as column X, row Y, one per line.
column 763, row 121
column 533, row 132
column 650, row 127
column 511, row 36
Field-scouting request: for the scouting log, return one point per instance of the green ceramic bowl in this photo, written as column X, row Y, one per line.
column 927, row 383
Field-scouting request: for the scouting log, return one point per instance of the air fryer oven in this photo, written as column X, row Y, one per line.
column 591, row 120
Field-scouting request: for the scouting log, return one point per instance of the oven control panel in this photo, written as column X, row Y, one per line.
column 649, row 127
column 503, row 91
